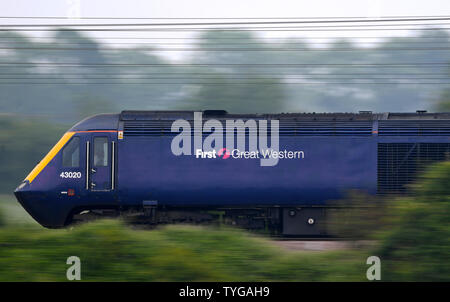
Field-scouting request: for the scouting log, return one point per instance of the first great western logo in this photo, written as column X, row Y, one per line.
column 236, row 147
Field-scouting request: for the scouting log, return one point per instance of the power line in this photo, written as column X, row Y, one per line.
column 226, row 78
column 227, row 83
column 223, row 43
column 250, row 29
column 211, row 18
column 366, row 20
column 212, row 73
column 216, row 43
column 276, row 65
column 231, row 49
column 229, row 38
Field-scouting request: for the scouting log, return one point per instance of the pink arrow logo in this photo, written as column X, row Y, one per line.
column 224, row 153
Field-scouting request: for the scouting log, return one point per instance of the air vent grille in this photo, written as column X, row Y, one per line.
column 287, row 128
column 414, row 128
column 400, row 163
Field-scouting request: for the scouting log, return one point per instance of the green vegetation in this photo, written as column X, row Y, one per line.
column 413, row 245
column 444, row 102
column 111, row 251
column 69, row 103
column 23, row 143
column 2, row 218
column 413, row 232
column 362, row 217
column 14, row 215
column 416, row 246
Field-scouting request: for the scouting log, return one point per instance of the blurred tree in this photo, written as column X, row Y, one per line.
column 59, row 101
column 415, row 245
column 87, row 105
column 358, row 217
column 444, row 103
column 237, row 89
column 23, row 143
column 2, row 218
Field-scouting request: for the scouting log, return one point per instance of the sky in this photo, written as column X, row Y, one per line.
column 229, row 8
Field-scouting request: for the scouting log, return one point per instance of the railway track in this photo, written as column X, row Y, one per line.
column 321, row 244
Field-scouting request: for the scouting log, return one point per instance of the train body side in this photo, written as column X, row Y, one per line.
column 142, row 170
column 330, row 167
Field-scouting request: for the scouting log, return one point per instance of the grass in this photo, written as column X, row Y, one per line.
column 14, row 213
column 110, row 251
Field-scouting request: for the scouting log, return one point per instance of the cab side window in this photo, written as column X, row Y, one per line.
column 71, row 153
column 100, row 152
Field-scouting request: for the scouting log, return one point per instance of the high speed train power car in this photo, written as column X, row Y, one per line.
column 154, row 165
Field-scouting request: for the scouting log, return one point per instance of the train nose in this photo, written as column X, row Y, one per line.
column 25, row 197
column 22, row 192
column 44, row 209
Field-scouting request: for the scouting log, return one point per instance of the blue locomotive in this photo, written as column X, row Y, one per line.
column 125, row 164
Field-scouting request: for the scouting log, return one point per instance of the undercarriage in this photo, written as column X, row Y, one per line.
column 288, row 221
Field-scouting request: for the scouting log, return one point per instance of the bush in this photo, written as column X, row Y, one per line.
column 358, row 217
column 416, row 247
column 23, row 143
column 2, row 218
column 110, row 251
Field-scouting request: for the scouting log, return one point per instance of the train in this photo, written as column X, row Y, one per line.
column 159, row 167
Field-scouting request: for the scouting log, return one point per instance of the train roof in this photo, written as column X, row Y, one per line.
column 129, row 115
column 159, row 122
column 98, row 122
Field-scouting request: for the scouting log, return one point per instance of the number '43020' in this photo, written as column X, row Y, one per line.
column 70, row 175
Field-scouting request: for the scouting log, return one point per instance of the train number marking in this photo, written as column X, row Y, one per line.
column 70, row 175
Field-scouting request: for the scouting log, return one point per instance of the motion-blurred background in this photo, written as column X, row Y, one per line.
column 61, row 61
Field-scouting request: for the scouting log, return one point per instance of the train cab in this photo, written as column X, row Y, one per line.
column 78, row 173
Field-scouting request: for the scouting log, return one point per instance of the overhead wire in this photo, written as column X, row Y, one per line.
column 338, row 24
